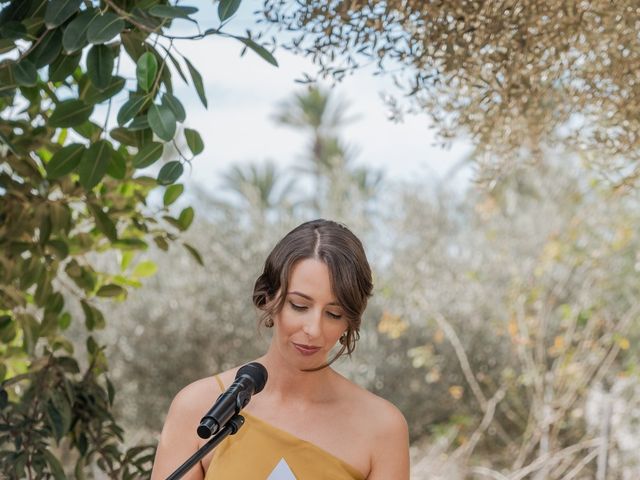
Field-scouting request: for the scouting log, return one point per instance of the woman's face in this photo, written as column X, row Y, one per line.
column 310, row 322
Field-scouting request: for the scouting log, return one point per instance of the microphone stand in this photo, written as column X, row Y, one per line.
column 230, row 428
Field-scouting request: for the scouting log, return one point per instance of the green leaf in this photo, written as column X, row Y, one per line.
column 138, row 123
column 59, row 413
column 133, row 138
column 95, row 95
column 175, row 64
column 194, row 141
column 176, row 107
column 47, row 50
column 25, row 73
column 134, row 43
column 110, row 290
column 65, row 160
column 13, row 30
column 148, row 155
column 104, row 28
column 75, row 34
column 170, row 11
column 103, row 222
column 170, row 172
column 54, row 464
column 130, row 109
column 145, row 269
column 94, row 164
column 117, row 166
column 58, row 11
column 64, row 321
column 70, row 113
column 197, row 82
column 63, row 66
column 100, row 65
column 194, row 253
column 146, row 70
column 186, row 218
column 162, row 121
column 111, row 391
column 259, row 49
column 172, row 193
column 88, row 130
column 226, row 8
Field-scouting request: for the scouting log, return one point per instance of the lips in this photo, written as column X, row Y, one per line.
column 306, row 349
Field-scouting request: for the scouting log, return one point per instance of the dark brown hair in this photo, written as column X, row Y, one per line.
column 349, row 271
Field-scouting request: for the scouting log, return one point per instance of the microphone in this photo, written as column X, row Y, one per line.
column 249, row 380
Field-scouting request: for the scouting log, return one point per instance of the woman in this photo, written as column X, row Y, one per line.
column 309, row 421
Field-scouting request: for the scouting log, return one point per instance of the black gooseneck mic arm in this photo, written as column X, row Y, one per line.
column 229, row 429
column 224, row 419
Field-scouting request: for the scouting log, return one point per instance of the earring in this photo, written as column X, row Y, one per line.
column 268, row 322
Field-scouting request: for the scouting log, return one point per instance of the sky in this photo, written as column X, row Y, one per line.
column 244, row 93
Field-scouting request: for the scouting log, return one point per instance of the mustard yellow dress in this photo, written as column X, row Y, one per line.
column 259, row 447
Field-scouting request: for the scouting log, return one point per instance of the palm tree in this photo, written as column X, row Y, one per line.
column 328, row 159
column 261, row 186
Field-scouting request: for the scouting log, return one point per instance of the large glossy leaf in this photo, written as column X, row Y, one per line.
column 89, row 130
column 13, row 30
column 65, row 160
column 95, row 95
column 162, row 121
column 70, row 113
column 226, row 8
column 75, row 34
column 58, row 11
column 170, row 172
column 138, row 123
column 25, row 73
column 176, row 107
column 47, row 50
column 130, row 109
column 133, row 42
column 94, row 164
column 104, row 27
column 63, row 66
column 148, row 155
column 124, row 136
column 197, row 82
column 146, row 70
column 117, row 166
column 194, row 141
column 100, row 65
column 170, row 11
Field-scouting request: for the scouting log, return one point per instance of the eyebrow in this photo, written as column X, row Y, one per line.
column 309, row 298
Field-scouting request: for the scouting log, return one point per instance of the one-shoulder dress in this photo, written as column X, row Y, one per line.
column 260, row 450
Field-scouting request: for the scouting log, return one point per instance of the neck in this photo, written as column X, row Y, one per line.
column 289, row 384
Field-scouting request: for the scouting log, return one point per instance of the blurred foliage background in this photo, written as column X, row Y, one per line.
column 505, row 317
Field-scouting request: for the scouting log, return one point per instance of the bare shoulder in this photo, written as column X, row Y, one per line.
column 199, row 395
column 385, row 426
column 379, row 416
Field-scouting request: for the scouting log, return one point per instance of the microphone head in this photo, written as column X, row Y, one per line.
column 256, row 372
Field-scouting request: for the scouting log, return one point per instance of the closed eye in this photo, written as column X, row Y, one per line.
column 334, row 315
column 299, row 308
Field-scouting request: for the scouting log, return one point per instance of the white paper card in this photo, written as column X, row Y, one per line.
column 282, row 472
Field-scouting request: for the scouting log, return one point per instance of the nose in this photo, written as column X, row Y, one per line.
column 313, row 323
